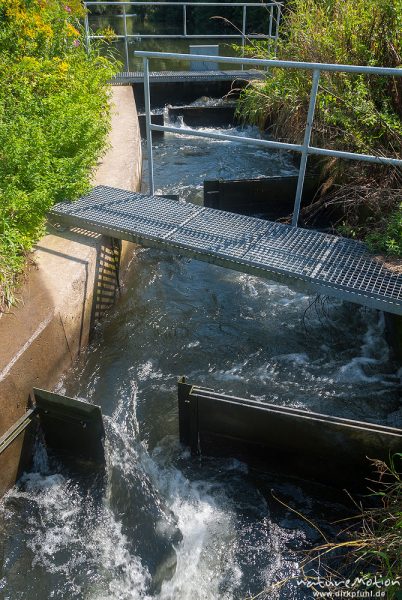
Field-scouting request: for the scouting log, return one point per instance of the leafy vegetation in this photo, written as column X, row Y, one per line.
column 54, row 120
column 354, row 112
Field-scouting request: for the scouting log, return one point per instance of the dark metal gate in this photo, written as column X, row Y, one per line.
column 284, row 440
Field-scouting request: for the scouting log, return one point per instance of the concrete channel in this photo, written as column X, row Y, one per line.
column 73, row 282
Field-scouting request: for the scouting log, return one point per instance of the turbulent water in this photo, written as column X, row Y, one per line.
column 159, row 523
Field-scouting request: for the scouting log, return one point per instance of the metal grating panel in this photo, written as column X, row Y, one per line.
column 310, row 259
column 218, row 232
column 129, row 77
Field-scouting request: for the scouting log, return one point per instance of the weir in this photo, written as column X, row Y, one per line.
column 271, row 197
column 276, row 438
column 186, row 86
column 300, row 443
column 73, row 429
column 214, row 115
column 305, row 259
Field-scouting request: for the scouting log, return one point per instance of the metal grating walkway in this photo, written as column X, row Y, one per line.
column 129, row 77
column 307, row 259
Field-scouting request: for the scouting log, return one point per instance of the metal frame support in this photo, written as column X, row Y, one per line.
column 306, row 145
column 185, row 20
column 278, row 22
column 271, row 18
column 87, row 30
column 127, row 59
column 243, row 31
column 148, row 126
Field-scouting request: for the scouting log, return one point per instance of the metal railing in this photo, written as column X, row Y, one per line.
column 273, row 10
column 305, row 149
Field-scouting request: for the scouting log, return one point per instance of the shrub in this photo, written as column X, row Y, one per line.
column 54, row 120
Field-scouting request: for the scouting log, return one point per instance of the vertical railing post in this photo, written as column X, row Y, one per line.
column 278, row 20
column 243, row 32
column 184, row 20
column 126, row 39
column 306, row 144
column 271, row 18
column 147, row 99
column 87, row 32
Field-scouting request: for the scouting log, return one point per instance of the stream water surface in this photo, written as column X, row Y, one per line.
column 160, row 523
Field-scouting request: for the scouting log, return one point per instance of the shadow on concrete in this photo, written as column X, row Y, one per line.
column 106, row 286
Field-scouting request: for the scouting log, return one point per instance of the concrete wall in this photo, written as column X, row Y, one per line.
column 43, row 334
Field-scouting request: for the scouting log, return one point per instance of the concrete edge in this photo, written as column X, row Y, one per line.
column 44, row 333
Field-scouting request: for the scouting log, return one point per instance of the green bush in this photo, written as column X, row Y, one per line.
column 54, row 120
column 354, row 112
column 388, row 238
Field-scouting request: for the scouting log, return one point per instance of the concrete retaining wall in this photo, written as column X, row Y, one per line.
column 43, row 334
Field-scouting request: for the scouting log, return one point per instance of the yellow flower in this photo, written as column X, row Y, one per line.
column 63, row 66
column 72, row 31
column 108, row 33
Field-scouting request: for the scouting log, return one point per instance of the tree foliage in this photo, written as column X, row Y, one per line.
column 54, row 120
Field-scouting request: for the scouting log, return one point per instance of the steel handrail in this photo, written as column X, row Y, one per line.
column 190, row 3
column 267, row 62
column 305, row 149
column 274, row 8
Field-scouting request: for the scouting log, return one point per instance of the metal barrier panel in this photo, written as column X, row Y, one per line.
column 304, row 149
column 71, row 427
column 273, row 10
column 270, row 197
column 285, row 440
